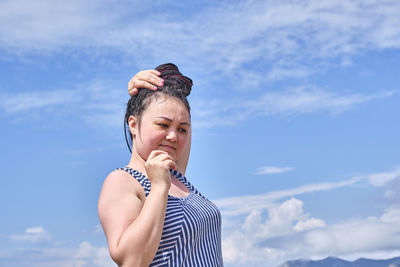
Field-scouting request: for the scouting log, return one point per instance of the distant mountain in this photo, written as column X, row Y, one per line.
column 336, row 262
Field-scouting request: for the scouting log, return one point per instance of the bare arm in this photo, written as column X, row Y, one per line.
column 132, row 223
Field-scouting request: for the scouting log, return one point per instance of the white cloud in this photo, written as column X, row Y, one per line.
column 289, row 233
column 50, row 25
column 233, row 206
column 32, row 235
column 85, row 254
column 98, row 229
column 98, row 256
column 272, row 229
column 97, row 101
column 307, row 100
column 36, row 247
column 270, row 31
column 300, row 100
column 35, row 230
column 308, row 224
column 362, row 235
column 272, row 170
column 93, row 102
column 383, row 178
column 289, row 39
column 24, row 102
column 243, row 246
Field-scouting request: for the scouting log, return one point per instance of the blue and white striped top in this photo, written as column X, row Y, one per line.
column 192, row 228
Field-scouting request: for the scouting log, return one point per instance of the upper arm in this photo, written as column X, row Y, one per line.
column 120, row 202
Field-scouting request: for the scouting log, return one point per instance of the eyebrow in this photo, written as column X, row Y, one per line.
column 168, row 119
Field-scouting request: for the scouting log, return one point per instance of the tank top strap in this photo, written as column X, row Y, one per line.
column 185, row 181
column 140, row 177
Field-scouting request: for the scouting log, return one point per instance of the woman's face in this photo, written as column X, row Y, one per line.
column 164, row 125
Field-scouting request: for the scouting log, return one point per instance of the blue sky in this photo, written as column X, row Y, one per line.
column 294, row 111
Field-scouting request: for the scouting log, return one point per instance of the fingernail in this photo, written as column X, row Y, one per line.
column 161, row 83
column 155, row 87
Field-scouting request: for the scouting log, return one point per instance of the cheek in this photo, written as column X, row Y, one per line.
column 182, row 140
column 147, row 139
column 155, row 137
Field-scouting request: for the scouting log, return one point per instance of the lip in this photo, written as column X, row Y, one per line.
column 167, row 147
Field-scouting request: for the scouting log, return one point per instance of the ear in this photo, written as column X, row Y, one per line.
column 132, row 122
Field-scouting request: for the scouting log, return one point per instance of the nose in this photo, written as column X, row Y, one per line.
column 171, row 136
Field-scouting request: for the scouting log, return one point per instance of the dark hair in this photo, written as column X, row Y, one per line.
column 175, row 85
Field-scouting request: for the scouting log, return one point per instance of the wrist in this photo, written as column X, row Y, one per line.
column 160, row 187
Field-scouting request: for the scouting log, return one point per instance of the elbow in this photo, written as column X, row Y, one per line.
column 116, row 256
column 127, row 259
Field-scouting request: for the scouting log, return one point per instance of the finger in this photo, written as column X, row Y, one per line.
column 145, row 84
column 133, row 87
column 151, row 76
column 155, row 153
column 145, row 72
column 172, row 164
column 137, row 82
column 145, row 79
column 162, row 157
column 133, row 91
column 159, row 156
column 155, row 72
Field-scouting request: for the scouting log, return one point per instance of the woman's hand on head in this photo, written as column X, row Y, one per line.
column 157, row 167
column 148, row 79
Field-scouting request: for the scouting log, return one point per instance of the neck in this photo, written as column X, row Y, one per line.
column 137, row 163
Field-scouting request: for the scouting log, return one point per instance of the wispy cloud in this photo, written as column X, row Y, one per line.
column 383, row 178
column 272, row 170
column 293, row 101
column 283, row 39
column 93, row 102
column 232, row 206
column 38, row 248
column 32, row 235
column 44, row 26
column 97, row 256
column 99, row 101
column 25, row 102
column 307, row 100
column 283, row 33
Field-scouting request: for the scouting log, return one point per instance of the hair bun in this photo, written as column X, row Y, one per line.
column 174, row 78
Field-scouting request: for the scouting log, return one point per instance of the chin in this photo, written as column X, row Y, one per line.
column 173, row 155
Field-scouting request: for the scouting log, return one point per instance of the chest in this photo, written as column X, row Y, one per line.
column 178, row 189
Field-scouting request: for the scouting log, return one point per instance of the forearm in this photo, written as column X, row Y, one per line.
column 140, row 241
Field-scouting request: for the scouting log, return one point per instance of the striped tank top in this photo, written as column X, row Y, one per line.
column 192, row 228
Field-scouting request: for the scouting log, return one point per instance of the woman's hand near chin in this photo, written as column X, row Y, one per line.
column 157, row 167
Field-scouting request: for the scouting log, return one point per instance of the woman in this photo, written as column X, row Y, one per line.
column 150, row 213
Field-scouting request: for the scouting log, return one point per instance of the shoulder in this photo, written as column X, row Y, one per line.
column 120, row 184
column 121, row 199
column 120, row 179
